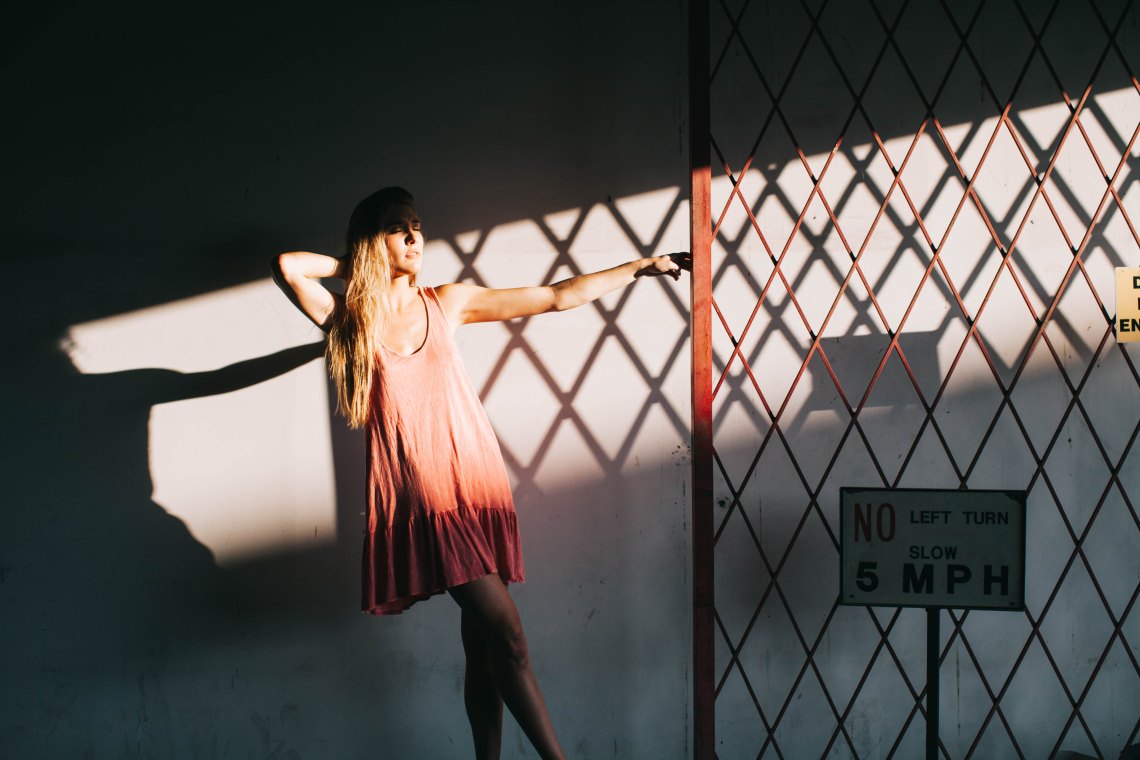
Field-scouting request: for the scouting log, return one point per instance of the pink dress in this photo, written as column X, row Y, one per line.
column 440, row 510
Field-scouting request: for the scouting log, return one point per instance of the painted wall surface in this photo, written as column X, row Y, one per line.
column 920, row 207
column 180, row 534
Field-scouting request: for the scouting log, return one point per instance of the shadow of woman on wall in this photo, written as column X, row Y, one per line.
column 99, row 584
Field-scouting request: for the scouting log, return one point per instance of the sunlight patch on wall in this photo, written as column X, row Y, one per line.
column 814, row 262
column 580, row 380
column 249, row 470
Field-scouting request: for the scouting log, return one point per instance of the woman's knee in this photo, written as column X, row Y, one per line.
column 509, row 644
column 491, row 621
column 503, row 638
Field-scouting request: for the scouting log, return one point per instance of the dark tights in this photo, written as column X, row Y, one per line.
column 498, row 671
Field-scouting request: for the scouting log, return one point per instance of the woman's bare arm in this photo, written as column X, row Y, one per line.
column 469, row 303
column 298, row 274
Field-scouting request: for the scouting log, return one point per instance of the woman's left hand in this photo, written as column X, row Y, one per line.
column 670, row 264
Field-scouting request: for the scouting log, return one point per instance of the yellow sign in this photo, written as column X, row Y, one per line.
column 1127, row 304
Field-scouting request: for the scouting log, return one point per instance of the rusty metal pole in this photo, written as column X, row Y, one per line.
column 700, row 326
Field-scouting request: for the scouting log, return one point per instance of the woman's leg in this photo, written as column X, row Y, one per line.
column 480, row 695
column 491, row 611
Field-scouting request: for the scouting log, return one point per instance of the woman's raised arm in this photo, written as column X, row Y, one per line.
column 470, row 303
column 298, row 275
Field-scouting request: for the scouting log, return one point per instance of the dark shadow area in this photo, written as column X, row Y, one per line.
column 217, row 136
column 93, row 523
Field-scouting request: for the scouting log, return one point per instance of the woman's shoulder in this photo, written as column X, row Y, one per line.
column 450, row 297
column 453, row 290
column 453, row 296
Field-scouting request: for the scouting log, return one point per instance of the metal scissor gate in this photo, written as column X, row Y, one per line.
column 906, row 217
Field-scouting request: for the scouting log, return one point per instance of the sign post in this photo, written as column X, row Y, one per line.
column 933, row 642
column 936, row 549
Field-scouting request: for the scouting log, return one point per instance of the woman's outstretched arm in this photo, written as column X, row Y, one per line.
column 468, row 303
column 298, row 275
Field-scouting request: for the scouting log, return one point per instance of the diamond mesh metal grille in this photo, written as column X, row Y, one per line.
column 916, row 208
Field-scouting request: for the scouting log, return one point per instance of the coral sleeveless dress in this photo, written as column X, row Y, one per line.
column 440, row 510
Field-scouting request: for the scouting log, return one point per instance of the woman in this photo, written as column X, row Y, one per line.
column 440, row 511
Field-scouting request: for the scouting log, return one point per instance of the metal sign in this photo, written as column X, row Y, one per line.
column 1127, row 304
column 912, row 547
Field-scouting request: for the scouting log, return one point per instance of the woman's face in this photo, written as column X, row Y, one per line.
column 405, row 242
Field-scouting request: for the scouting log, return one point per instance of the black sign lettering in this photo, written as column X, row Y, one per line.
column 1001, row 577
column 867, row 579
column 920, row 582
column 934, row 552
column 974, row 517
column 956, row 575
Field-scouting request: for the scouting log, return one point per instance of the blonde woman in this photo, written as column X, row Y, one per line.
column 440, row 512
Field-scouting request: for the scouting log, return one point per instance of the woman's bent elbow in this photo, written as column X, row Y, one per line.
column 562, row 301
column 279, row 265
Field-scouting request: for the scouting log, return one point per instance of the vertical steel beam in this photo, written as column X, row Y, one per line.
column 700, row 325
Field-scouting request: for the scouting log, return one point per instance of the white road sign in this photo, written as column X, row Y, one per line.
column 912, row 547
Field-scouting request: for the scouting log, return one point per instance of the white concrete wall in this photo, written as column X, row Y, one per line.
column 180, row 544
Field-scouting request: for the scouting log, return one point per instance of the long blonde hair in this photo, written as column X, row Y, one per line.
column 356, row 329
